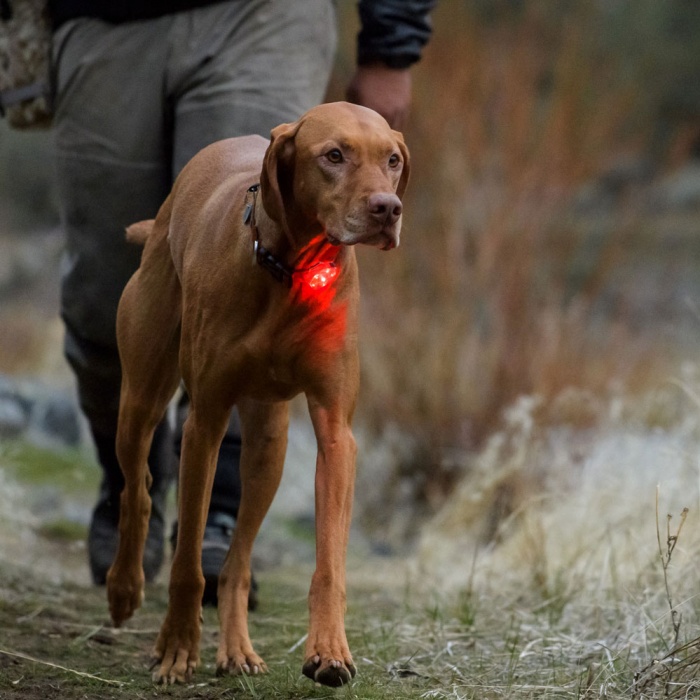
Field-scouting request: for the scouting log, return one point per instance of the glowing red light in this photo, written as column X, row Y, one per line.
column 320, row 276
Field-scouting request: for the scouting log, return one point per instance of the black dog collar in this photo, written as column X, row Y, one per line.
column 280, row 271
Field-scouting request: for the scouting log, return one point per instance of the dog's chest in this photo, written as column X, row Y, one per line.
column 272, row 376
column 280, row 380
column 283, row 358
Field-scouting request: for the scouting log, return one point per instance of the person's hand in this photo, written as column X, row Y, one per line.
column 383, row 89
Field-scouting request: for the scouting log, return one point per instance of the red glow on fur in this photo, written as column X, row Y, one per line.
column 315, row 286
column 317, row 276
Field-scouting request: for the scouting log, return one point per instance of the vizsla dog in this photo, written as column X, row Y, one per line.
column 248, row 292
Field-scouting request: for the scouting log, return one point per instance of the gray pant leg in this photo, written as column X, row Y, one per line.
column 113, row 168
column 134, row 103
column 253, row 65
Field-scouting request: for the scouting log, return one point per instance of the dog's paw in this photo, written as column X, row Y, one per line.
column 125, row 593
column 178, row 668
column 240, row 662
column 331, row 672
column 176, row 653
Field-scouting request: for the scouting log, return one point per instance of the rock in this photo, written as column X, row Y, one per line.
column 58, row 418
column 40, row 413
column 679, row 191
column 13, row 418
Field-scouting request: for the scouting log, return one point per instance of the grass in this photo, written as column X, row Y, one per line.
column 550, row 573
column 61, row 482
column 44, row 624
column 70, row 470
column 496, row 285
column 577, row 594
column 583, row 573
column 507, row 646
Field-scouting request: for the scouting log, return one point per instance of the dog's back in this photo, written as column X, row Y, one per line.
column 220, row 166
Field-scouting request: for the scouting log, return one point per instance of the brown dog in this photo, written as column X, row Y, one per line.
column 250, row 294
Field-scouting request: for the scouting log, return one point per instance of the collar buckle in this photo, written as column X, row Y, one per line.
column 275, row 267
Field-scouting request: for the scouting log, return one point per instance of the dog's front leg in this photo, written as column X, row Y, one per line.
column 177, row 647
column 327, row 657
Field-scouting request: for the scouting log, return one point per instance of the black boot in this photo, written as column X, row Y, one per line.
column 103, row 535
column 215, row 545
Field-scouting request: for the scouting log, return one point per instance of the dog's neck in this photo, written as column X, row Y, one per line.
column 282, row 257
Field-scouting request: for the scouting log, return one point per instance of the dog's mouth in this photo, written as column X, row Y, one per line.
column 385, row 239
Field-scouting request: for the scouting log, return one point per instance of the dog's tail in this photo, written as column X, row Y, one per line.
column 138, row 233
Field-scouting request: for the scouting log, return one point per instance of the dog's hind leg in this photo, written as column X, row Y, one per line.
column 264, row 432
column 177, row 646
column 148, row 335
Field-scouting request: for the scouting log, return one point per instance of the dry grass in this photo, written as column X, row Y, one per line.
column 554, row 539
column 545, row 609
column 505, row 287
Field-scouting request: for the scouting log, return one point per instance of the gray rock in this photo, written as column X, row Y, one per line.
column 38, row 412
column 58, row 418
column 679, row 191
column 13, row 417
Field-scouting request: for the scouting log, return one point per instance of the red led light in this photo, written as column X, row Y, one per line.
column 320, row 276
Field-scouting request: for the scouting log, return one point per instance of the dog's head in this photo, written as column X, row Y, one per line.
column 340, row 169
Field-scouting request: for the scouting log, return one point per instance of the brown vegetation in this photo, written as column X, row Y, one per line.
column 502, row 287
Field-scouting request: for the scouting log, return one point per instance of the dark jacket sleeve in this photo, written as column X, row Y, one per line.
column 393, row 31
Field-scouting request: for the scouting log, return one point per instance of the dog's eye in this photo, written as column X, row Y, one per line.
column 394, row 160
column 335, row 156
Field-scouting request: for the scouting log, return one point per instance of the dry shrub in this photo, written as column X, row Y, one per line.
column 580, row 521
column 492, row 294
column 675, row 676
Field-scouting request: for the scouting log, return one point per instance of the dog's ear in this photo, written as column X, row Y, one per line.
column 405, row 173
column 277, row 174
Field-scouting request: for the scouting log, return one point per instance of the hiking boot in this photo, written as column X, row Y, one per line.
column 215, row 545
column 103, row 536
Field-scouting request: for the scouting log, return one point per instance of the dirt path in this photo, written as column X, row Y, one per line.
column 56, row 640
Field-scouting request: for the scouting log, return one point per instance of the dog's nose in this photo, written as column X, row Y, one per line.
column 385, row 207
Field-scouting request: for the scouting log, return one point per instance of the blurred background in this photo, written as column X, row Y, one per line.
column 542, row 310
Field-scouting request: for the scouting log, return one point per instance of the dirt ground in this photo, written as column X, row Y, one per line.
column 56, row 640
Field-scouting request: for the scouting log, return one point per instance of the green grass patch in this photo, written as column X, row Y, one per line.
column 63, row 530
column 71, row 470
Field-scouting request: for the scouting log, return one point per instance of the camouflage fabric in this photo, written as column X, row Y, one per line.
column 25, row 47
